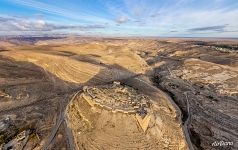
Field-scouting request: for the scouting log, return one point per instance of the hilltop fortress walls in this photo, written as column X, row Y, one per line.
column 117, row 116
column 137, row 107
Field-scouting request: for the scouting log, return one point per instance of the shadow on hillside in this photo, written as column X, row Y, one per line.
column 38, row 96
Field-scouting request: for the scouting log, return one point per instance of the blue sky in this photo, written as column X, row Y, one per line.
column 165, row 18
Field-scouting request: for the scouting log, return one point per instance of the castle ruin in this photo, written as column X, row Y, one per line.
column 119, row 98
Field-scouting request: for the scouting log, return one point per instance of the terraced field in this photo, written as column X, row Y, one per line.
column 79, row 71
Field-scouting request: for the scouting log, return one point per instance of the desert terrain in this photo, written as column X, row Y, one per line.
column 118, row 93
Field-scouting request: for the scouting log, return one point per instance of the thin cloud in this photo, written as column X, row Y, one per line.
column 218, row 28
column 150, row 17
column 122, row 19
column 155, row 15
column 44, row 7
column 138, row 10
column 3, row 19
column 10, row 24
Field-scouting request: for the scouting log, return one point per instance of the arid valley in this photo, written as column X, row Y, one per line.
column 118, row 93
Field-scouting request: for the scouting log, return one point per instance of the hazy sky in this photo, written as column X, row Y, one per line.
column 180, row 18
